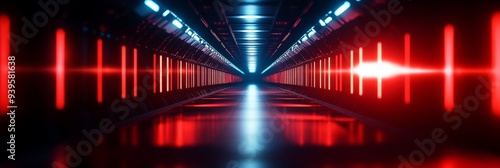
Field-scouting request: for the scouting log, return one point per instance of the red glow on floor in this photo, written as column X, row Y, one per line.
column 495, row 59
column 124, row 72
column 212, row 105
column 60, row 65
column 4, row 53
column 407, row 65
column 379, row 137
column 99, row 71
column 291, row 105
column 448, row 68
column 135, row 72
column 154, row 73
column 360, row 76
column 379, row 77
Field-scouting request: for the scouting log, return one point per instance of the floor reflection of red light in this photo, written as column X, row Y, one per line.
column 135, row 135
column 211, row 105
column 4, row 53
column 135, row 73
column 379, row 78
column 379, row 137
column 361, row 134
column 293, row 105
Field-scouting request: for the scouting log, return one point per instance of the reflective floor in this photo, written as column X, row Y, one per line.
column 260, row 126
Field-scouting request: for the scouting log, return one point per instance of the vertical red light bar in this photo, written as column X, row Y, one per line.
column 154, row 73
column 495, row 42
column 448, row 69
column 329, row 73
column 351, row 83
column 407, row 65
column 336, row 73
column 161, row 74
column 60, row 67
column 325, row 65
column 167, row 74
column 135, row 72
column 340, row 73
column 180, row 74
column 314, row 74
column 99, row 71
column 379, row 78
column 4, row 53
column 360, row 77
column 320, row 75
column 124, row 72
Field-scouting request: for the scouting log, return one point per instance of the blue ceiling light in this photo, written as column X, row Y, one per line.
column 177, row 24
column 166, row 13
column 342, row 8
column 153, row 5
column 328, row 19
column 322, row 23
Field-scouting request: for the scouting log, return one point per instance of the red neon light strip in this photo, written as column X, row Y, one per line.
column 135, row 72
column 336, row 73
column 99, row 71
column 329, row 74
column 60, row 56
column 360, row 77
column 154, row 73
column 379, row 78
column 167, row 74
column 320, row 74
column 4, row 53
column 340, row 73
column 124, row 72
column 407, row 65
column 495, row 42
column 352, row 74
column 448, row 69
